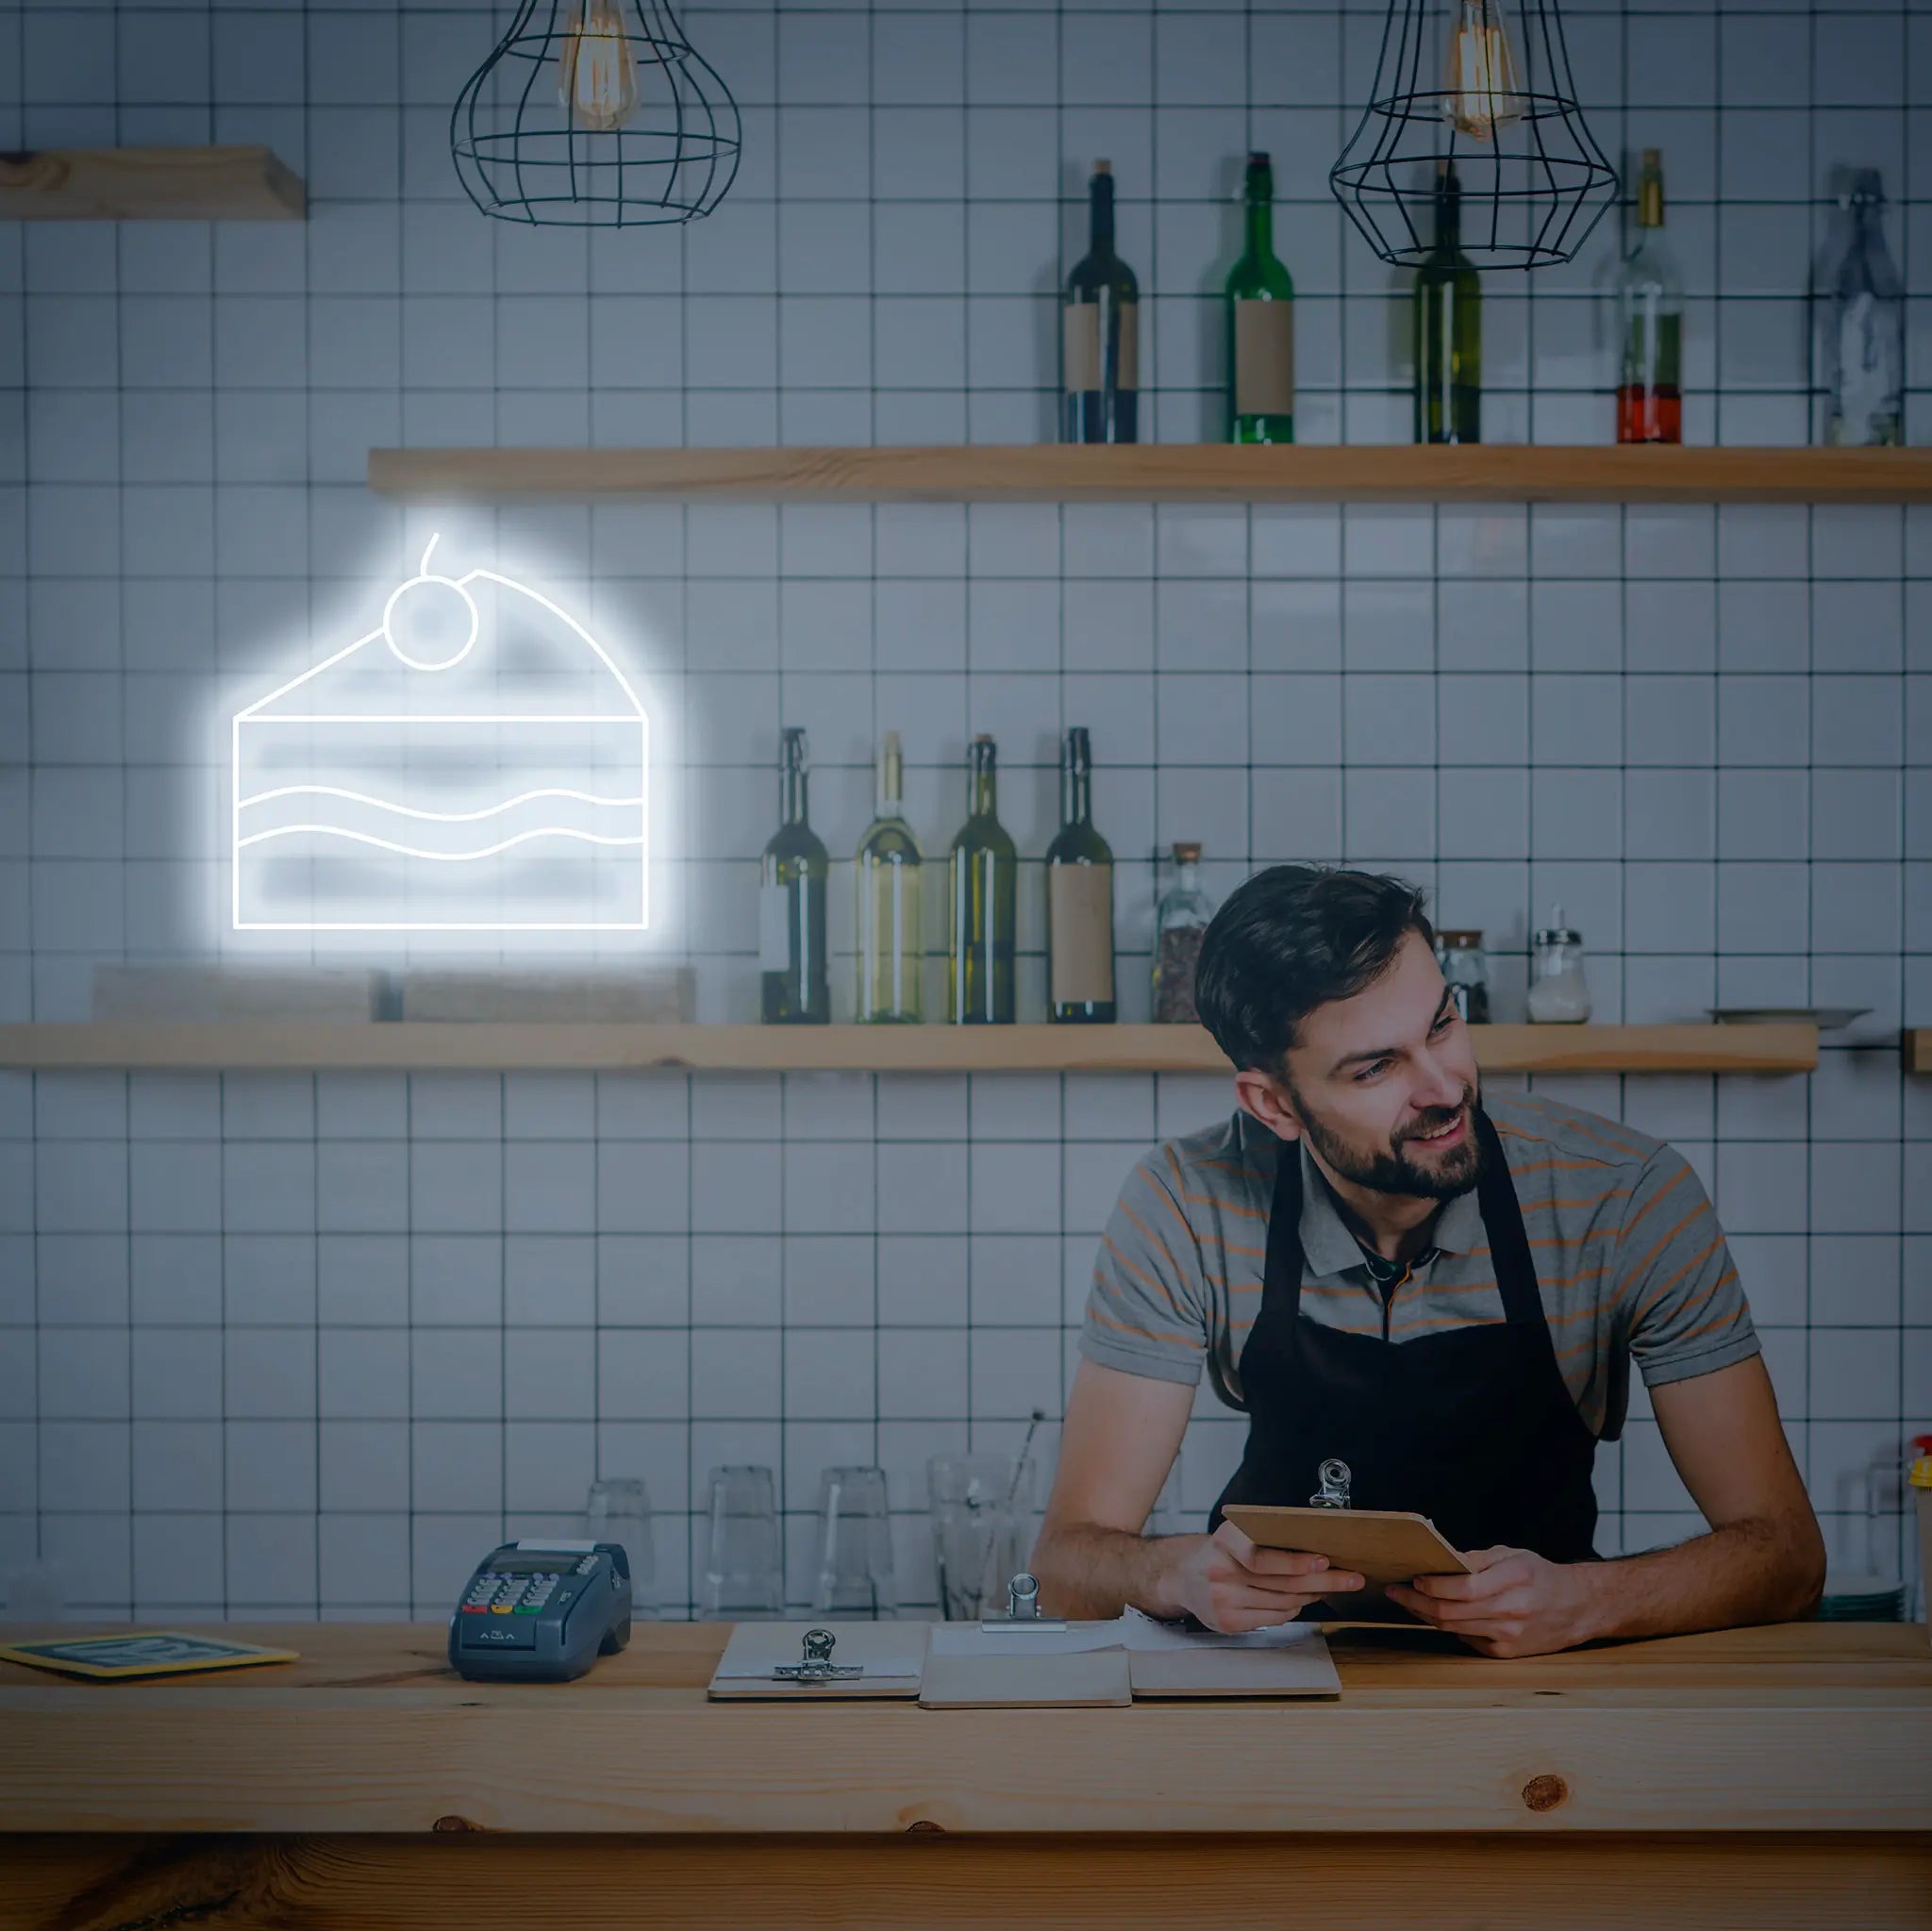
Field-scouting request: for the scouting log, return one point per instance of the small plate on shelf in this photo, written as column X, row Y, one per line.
column 1827, row 1019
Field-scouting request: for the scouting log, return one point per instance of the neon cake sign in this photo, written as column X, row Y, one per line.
column 476, row 763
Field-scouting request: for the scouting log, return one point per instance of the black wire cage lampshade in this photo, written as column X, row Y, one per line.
column 1460, row 86
column 595, row 113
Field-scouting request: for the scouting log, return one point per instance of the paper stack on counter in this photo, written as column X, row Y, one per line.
column 1164, row 1658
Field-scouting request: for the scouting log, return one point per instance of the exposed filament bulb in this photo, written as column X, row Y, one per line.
column 1481, row 90
column 597, row 71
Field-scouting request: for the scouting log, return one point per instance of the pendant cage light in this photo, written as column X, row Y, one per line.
column 1459, row 84
column 595, row 113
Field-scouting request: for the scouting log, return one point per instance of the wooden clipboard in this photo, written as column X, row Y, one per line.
column 1087, row 1679
column 893, row 1655
column 1383, row 1545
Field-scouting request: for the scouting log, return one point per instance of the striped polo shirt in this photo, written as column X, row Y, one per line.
column 1629, row 1257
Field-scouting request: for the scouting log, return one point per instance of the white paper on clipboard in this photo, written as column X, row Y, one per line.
column 1166, row 1659
column 1132, row 1630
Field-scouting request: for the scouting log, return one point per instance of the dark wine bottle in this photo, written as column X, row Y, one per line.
column 1448, row 314
column 1079, row 900
column 1261, row 322
column 796, row 988
column 1100, row 333
column 982, row 905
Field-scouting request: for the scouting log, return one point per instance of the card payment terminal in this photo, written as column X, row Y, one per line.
column 541, row 1612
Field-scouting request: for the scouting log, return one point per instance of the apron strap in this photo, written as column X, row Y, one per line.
column 1281, row 1285
column 1495, row 1191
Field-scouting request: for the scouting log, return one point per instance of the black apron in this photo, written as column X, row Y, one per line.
column 1472, row 1427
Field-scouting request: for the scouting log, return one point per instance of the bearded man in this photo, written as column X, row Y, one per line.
column 1441, row 1292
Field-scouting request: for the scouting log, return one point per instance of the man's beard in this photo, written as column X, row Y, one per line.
column 1390, row 1170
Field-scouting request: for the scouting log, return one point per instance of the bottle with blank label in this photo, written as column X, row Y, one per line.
column 1100, row 333
column 1079, row 900
column 794, row 986
column 890, row 955
column 1261, row 322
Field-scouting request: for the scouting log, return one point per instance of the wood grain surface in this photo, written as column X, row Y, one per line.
column 1915, row 1048
column 1161, row 473
column 147, row 184
column 300, row 1046
column 934, row 1883
column 1794, row 1727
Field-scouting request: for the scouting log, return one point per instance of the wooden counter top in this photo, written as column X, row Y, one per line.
column 1802, row 1726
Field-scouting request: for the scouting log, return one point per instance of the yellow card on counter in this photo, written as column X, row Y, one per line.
column 141, row 1653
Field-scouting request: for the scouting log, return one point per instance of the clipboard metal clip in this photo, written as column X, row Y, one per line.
column 1022, row 1612
column 1334, row 1478
column 816, row 1665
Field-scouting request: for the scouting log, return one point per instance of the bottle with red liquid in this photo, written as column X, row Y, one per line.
column 1650, row 323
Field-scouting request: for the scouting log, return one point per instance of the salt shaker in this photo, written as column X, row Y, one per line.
column 1559, row 993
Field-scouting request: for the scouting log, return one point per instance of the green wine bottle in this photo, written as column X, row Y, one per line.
column 1100, row 310
column 1260, row 324
column 1079, row 900
column 795, row 990
column 980, row 916
column 1448, row 316
column 892, row 956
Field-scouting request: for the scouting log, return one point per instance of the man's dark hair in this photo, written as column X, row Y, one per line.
column 1293, row 938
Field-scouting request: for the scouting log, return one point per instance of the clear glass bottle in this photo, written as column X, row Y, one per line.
column 1100, row 332
column 794, row 987
column 1260, row 322
column 1079, row 900
column 1180, row 924
column 1466, row 971
column 1558, row 993
column 1864, row 328
column 982, row 905
column 892, row 951
column 1448, row 321
column 1650, row 323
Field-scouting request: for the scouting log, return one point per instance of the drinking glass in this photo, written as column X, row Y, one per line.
column 982, row 1506
column 855, row 1546
column 618, row 1509
column 744, row 1572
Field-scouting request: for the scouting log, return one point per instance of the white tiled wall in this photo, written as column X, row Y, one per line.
column 308, row 1345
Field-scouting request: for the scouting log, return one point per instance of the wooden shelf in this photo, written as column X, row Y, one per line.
column 1160, row 472
column 149, row 183
column 1915, row 1048
column 422, row 1047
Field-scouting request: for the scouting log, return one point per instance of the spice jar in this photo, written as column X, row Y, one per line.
column 1466, row 971
column 1559, row 993
column 1179, row 927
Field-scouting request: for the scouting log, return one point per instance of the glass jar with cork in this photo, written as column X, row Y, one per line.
column 1179, row 927
column 1465, row 972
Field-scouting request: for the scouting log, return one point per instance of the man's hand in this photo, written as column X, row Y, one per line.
column 1229, row 1583
column 1517, row 1604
